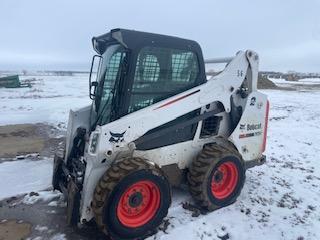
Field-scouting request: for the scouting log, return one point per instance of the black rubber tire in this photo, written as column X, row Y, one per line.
column 112, row 185
column 201, row 171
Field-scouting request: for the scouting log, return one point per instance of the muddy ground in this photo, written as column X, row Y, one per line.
column 22, row 221
column 39, row 221
column 22, row 139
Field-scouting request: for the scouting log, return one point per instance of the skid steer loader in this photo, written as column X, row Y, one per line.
column 156, row 122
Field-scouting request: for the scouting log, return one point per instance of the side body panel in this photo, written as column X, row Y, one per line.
column 249, row 134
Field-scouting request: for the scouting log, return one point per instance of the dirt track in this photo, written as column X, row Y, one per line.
column 14, row 230
column 24, row 139
column 22, row 221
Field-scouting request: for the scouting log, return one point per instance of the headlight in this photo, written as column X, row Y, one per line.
column 94, row 142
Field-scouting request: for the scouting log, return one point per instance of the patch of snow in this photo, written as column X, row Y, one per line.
column 52, row 211
column 28, row 156
column 310, row 81
column 278, row 80
column 41, row 228
column 305, row 81
column 38, row 238
column 53, row 204
column 43, row 196
column 48, row 100
column 19, row 177
column 59, row 236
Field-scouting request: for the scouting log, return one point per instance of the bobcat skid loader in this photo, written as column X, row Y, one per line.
column 156, row 122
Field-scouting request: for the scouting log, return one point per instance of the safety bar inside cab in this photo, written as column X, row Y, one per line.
column 218, row 60
column 212, row 72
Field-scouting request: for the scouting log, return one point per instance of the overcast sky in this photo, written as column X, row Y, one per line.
column 56, row 34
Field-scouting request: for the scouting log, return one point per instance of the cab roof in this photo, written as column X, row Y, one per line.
column 132, row 39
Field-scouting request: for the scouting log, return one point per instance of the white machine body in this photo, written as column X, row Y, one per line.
column 248, row 136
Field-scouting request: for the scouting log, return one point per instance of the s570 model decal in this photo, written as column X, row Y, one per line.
column 246, row 135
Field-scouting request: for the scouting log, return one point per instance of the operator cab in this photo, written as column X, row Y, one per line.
column 138, row 69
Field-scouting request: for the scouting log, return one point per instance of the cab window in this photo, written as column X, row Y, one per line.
column 161, row 73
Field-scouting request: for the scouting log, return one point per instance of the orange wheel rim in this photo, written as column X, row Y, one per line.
column 138, row 204
column 224, row 180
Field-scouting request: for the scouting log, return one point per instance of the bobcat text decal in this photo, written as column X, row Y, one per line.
column 250, row 127
column 253, row 126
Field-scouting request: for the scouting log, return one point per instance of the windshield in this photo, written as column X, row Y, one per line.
column 108, row 78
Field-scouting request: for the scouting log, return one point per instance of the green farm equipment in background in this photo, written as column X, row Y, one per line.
column 12, row 82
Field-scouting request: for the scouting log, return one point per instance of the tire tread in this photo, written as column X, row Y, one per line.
column 200, row 167
column 109, row 180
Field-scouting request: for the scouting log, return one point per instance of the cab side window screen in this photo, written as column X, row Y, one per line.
column 161, row 73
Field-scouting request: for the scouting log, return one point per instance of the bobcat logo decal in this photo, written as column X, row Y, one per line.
column 253, row 101
column 116, row 137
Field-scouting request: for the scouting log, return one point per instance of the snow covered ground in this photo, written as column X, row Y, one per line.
column 280, row 200
column 48, row 100
column 19, row 177
column 306, row 81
